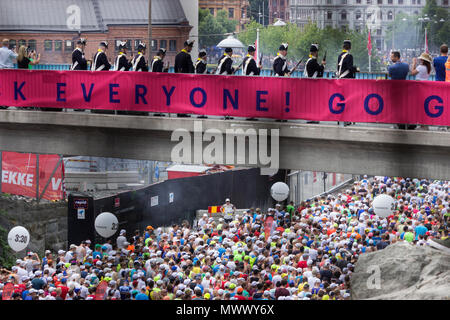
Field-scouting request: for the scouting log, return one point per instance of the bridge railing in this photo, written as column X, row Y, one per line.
column 264, row 72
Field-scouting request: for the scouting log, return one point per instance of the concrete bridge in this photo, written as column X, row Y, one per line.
column 312, row 147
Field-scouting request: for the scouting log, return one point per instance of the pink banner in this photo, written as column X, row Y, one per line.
column 384, row 101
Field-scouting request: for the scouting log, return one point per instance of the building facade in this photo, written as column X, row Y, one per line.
column 356, row 14
column 51, row 28
column 279, row 9
column 237, row 10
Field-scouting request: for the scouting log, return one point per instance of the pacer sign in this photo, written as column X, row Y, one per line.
column 387, row 101
column 19, row 175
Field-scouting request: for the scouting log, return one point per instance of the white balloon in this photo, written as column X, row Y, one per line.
column 106, row 224
column 279, row 191
column 383, row 205
column 18, row 238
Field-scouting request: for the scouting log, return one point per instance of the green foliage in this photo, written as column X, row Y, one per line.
column 6, row 254
column 255, row 6
column 328, row 39
column 212, row 29
column 437, row 32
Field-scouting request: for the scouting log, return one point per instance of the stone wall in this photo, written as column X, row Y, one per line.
column 46, row 222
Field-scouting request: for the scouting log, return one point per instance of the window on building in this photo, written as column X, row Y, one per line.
column 48, row 45
column 400, row 1
column 380, row 1
column 128, row 46
column 380, row 15
column 390, row 16
column 163, row 44
column 12, row 44
column 445, row 2
column 172, row 45
column 358, row 1
column 378, row 44
column 58, row 45
column 231, row 13
column 68, row 45
column 211, row 10
column 329, row 1
column 379, row 32
column 136, row 43
column 344, row 1
column 344, row 15
column 32, row 44
column 358, row 15
column 22, row 43
column 154, row 45
column 390, row 1
column 329, row 15
column 369, row 1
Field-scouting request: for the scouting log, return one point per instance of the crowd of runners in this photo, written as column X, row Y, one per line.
column 309, row 253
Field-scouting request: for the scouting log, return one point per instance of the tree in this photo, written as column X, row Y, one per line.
column 256, row 7
column 437, row 31
column 212, row 29
column 329, row 40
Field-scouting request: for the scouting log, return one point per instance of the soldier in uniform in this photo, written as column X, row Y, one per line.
column 345, row 66
column 225, row 64
column 200, row 64
column 249, row 67
column 184, row 64
column 101, row 63
column 79, row 61
column 280, row 64
column 138, row 62
column 183, row 60
column 158, row 61
column 122, row 63
column 312, row 68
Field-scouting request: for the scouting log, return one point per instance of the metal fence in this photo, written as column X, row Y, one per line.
column 305, row 185
column 264, row 72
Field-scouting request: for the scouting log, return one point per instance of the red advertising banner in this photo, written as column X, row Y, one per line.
column 384, row 101
column 20, row 176
column 8, row 290
column 101, row 290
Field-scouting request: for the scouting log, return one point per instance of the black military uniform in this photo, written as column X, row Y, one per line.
column 138, row 62
column 280, row 64
column 345, row 67
column 183, row 60
column 100, row 62
column 225, row 63
column 122, row 63
column 79, row 61
column 200, row 64
column 312, row 68
column 157, row 63
column 249, row 67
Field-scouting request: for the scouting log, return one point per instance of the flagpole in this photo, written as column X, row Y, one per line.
column 257, row 47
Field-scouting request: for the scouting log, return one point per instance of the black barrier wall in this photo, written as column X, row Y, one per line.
column 173, row 201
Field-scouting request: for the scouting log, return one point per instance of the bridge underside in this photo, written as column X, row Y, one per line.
column 312, row 147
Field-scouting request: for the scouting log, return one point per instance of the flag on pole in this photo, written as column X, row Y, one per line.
column 369, row 45
column 426, row 41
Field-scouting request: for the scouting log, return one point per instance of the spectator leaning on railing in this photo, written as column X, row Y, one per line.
column 439, row 63
column 6, row 59
column 423, row 70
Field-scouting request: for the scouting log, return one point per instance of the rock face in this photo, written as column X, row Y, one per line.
column 46, row 222
column 402, row 271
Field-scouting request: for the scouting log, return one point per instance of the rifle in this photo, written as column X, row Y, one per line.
column 325, row 56
column 296, row 66
column 238, row 66
column 260, row 59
